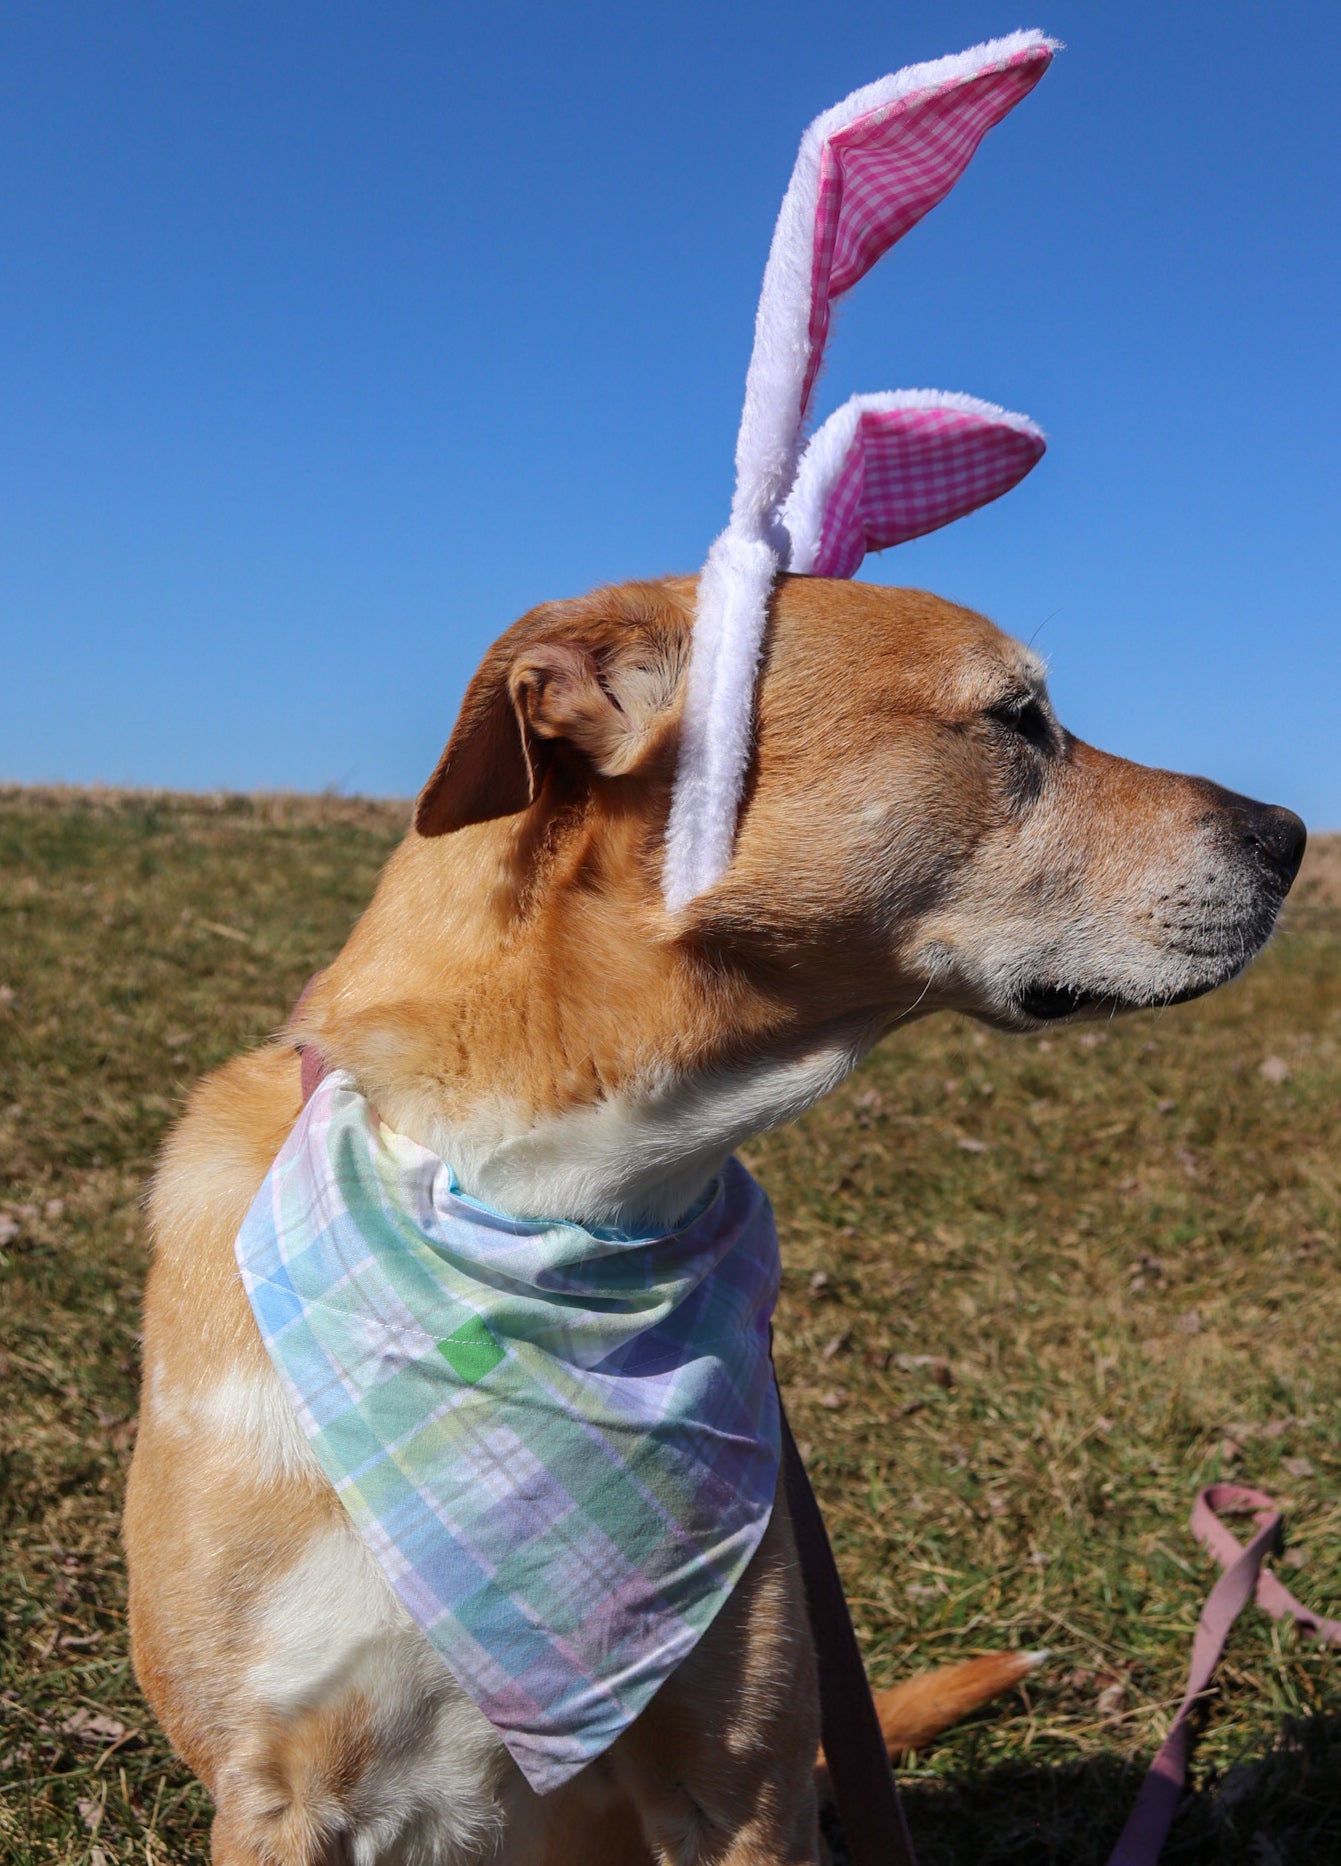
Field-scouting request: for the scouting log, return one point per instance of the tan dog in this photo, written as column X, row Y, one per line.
column 919, row 834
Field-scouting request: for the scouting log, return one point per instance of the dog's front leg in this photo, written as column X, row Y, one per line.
column 721, row 1765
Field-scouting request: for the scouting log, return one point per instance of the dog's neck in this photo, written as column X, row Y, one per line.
column 640, row 1157
column 566, row 1065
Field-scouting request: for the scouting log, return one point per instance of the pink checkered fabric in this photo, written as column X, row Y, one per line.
column 880, row 174
column 911, row 470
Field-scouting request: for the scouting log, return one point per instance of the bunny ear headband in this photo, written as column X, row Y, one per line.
column 883, row 468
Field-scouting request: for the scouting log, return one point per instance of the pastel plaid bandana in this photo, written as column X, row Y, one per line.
column 561, row 1445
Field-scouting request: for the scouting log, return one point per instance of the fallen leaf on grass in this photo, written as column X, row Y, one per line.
column 90, row 1813
column 834, row 1400
column 1297, row 1467
column 1190, row 1323
column 971, row 1146
column 1274, row 1069
column 1251, row 1428
column 1111, row 1700
column 934, row 1364
column 93, row 1727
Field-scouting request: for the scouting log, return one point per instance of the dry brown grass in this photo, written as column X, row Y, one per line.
column 1119, row 1246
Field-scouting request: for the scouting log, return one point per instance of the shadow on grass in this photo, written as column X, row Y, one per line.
column 1280, row 1809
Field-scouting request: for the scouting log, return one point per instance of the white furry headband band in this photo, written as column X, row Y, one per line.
column 883, row 468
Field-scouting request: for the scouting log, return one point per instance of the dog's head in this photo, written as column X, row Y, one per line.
column 919, row 832
column 918, row 827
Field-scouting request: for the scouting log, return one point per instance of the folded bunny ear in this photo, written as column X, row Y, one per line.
column 866, row 172
column 886, row 468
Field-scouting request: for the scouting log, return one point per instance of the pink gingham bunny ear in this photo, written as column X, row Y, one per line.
column 867, row 171
column 886, row 468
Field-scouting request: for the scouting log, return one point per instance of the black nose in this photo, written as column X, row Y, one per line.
column 1276, row 834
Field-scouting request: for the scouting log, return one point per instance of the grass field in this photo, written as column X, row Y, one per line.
column 1037, row 1291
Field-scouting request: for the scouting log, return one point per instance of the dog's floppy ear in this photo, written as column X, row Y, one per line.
column 575, row 678
column 490, row 767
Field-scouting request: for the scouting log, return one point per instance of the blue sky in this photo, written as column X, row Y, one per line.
column 333, row 337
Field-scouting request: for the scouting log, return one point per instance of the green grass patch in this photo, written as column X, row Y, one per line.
column 1037, row 1290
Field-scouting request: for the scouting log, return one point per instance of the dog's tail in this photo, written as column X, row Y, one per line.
column 912, row 1715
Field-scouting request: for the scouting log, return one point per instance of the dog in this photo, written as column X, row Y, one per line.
column 919, row 834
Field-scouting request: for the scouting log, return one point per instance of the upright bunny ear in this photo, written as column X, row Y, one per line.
column 886, row 468
column 867, row 171
column 904, row 146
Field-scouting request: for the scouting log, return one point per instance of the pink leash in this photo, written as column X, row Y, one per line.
column 1142, row 1839
column 1148, row 1824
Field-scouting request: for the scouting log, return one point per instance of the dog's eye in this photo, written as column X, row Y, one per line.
column 1025, row 717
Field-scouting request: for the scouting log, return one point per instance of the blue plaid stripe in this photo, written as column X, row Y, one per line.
column 563, row 1503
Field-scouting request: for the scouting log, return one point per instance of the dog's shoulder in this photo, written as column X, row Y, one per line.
column 217, row 1155
column 210, row 1170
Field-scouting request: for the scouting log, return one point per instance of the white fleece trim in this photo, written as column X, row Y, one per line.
column 729, row 624
column 718, row 719
column 826, row 455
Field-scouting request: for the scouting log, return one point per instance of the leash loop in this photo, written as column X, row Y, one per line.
column 1244, row 1578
